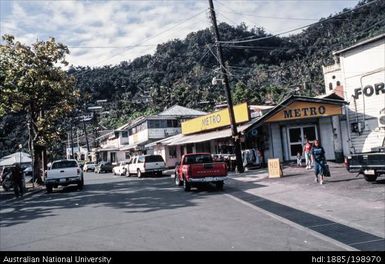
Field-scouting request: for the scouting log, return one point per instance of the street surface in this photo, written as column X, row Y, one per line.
column 253, row 213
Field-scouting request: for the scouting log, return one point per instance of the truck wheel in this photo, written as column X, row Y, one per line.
column 178, row 182
column 370, row 178
column 186, row 185
column 49, row 188
column 219, row 185
column 139, row 173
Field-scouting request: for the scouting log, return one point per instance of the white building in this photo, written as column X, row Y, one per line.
column 359, row 75
column 131, row 138
column 146, row 130
column 111, row 145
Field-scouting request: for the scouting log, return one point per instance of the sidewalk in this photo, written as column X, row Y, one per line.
column 343, row 198
column 10, row 195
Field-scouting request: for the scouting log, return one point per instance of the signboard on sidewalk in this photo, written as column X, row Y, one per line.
column 274, row 167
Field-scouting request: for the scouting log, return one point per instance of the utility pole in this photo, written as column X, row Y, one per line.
column 72, row 142
column 78, row 144
column 85, row 133
column 234, row 132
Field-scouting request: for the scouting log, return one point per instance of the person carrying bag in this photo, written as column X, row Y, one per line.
column 320, row 164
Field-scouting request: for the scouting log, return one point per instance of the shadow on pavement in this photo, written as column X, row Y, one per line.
column 128, row 196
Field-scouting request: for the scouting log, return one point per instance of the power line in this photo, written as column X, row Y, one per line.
column 111, row 47
column 266, row 17
column 299, row 28
column 232, row 11
column 156, row 35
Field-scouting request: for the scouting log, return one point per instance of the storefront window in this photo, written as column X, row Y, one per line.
column 172, row 152
column 113, row 157
column 297, row 137
column 309, row 133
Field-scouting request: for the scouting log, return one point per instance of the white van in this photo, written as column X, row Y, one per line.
column 146, row 164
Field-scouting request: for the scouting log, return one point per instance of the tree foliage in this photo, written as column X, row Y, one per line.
column 262, row 71
column 34, row 86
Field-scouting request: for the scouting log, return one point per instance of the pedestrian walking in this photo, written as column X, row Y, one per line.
column 17, row 179
column 318, row 157
column 307, row 152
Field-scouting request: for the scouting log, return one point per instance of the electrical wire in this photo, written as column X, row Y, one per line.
column 156, row 35
column 299, row 28
column 265, row 17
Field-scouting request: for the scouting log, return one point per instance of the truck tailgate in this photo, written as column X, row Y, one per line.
column 62, row 173
column 208, row 170
column 367, row 160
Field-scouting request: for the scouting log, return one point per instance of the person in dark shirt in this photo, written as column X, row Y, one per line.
column 319, row 160
column 17, row 178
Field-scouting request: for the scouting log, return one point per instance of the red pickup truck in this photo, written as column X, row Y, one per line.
column 197, row 168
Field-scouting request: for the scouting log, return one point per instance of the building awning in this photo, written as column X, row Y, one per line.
column 129, row 147
column 201, row 137
column 107, row 148
column 164, row 141
column 133, row 146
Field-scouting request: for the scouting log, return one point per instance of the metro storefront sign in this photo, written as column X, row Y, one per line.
column 301, row 110
column 216, row 120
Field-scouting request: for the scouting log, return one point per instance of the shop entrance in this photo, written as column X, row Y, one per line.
column 297, row 137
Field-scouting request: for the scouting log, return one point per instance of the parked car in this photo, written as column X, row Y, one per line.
column 122, row 168
column 370, row 164
column 89, row 166
column 146, row 164
column 103, row 166
column 63, row 173
column 196, row 168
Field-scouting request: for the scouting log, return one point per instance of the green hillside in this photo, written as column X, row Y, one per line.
column 180, row 71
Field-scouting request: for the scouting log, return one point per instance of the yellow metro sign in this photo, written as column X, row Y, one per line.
column 215, row 120
column 301, row 110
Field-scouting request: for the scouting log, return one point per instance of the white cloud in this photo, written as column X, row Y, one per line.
column 123, row 23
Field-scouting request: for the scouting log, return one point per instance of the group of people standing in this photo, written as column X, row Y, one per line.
column 314, row 155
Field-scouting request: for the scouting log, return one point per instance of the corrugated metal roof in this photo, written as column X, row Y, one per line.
column 178, row 110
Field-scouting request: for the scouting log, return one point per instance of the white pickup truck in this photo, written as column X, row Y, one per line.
column 63, row 173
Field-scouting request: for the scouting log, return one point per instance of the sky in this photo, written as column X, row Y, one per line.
column 107, row 32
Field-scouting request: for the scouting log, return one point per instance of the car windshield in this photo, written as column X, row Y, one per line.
column 200, row 158
column 64, row 164
column 154, row 158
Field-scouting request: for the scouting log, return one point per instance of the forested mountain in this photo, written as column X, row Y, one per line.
column 180, row 71
column 261, row 71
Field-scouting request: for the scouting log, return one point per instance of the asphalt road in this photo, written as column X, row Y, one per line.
column 124, row 214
